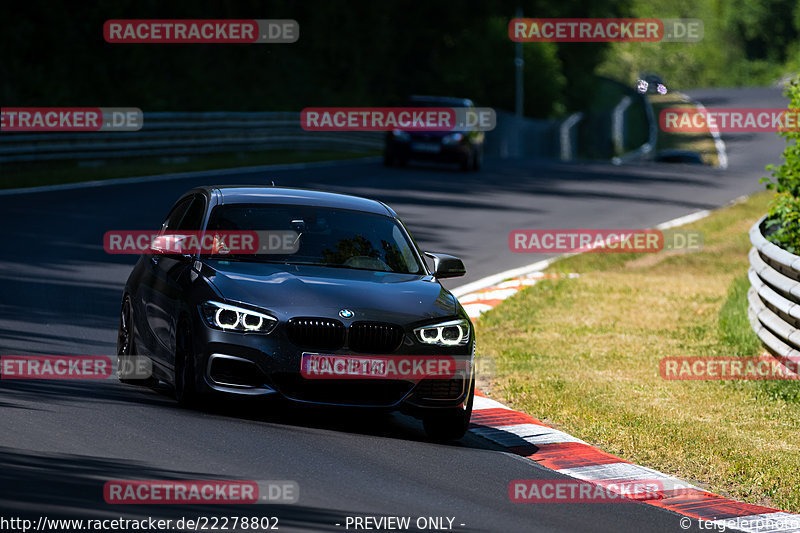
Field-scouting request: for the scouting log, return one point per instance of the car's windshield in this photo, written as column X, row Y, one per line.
column 324, row 236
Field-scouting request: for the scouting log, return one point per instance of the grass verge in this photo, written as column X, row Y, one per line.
column 58, row 172
column 582, row 354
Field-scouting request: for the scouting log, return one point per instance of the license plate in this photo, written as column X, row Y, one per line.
column 323, row 366
column 432, row 148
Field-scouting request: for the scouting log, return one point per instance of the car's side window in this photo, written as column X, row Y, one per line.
column 194, row 215
column 176, row 215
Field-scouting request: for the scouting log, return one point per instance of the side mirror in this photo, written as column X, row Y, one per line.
column 169, row 244
column 160, row 245
column 446, row 266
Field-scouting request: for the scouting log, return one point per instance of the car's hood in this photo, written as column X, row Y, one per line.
column 288, row 291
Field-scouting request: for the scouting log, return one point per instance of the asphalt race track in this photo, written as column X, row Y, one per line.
column 60, row 294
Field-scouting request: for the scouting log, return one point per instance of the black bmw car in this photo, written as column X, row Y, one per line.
column 348, row 314
column 464, row 147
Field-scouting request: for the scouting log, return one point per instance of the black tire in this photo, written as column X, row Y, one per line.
column 478, row 160
column 449, row 424
column 468, row 162
column 185, row 376
column 126, row 346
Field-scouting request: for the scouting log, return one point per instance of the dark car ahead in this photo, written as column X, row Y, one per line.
column 464, row 147
column 352, row 289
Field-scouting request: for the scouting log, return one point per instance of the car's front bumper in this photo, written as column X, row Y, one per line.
column 412, row 150
column 251, row 365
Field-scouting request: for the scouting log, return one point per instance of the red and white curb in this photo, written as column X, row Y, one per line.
column 528, row 437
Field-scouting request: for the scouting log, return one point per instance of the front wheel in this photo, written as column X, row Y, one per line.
column 478, row 161
column 467, row 162
column 126, row 348
column 449, row 424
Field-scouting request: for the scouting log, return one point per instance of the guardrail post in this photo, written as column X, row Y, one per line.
column 566, row 135
column 618, row 125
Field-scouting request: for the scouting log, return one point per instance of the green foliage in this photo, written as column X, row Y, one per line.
column 745, row 42
column 363, row 52
column 782, row 226
column 354, row 53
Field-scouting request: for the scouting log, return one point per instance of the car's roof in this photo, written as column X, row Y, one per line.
column 444, row 101
column 265, row 194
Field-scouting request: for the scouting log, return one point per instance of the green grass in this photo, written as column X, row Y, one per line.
column 734, row 325
column 735, row 331
column 58, row 172
column 583, row 354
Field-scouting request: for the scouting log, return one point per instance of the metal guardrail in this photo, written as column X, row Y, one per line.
column 774, row 295
column 515, row 136
column 176, row 134
column 172, row 134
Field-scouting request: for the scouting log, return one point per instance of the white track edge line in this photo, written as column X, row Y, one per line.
column 538, row 266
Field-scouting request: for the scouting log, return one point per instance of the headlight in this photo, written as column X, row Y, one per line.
column 452, row 333
column 453, row 138
column 400, row 135
column 232, row 318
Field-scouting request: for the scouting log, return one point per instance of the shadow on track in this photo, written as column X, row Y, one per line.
column 54, row 485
